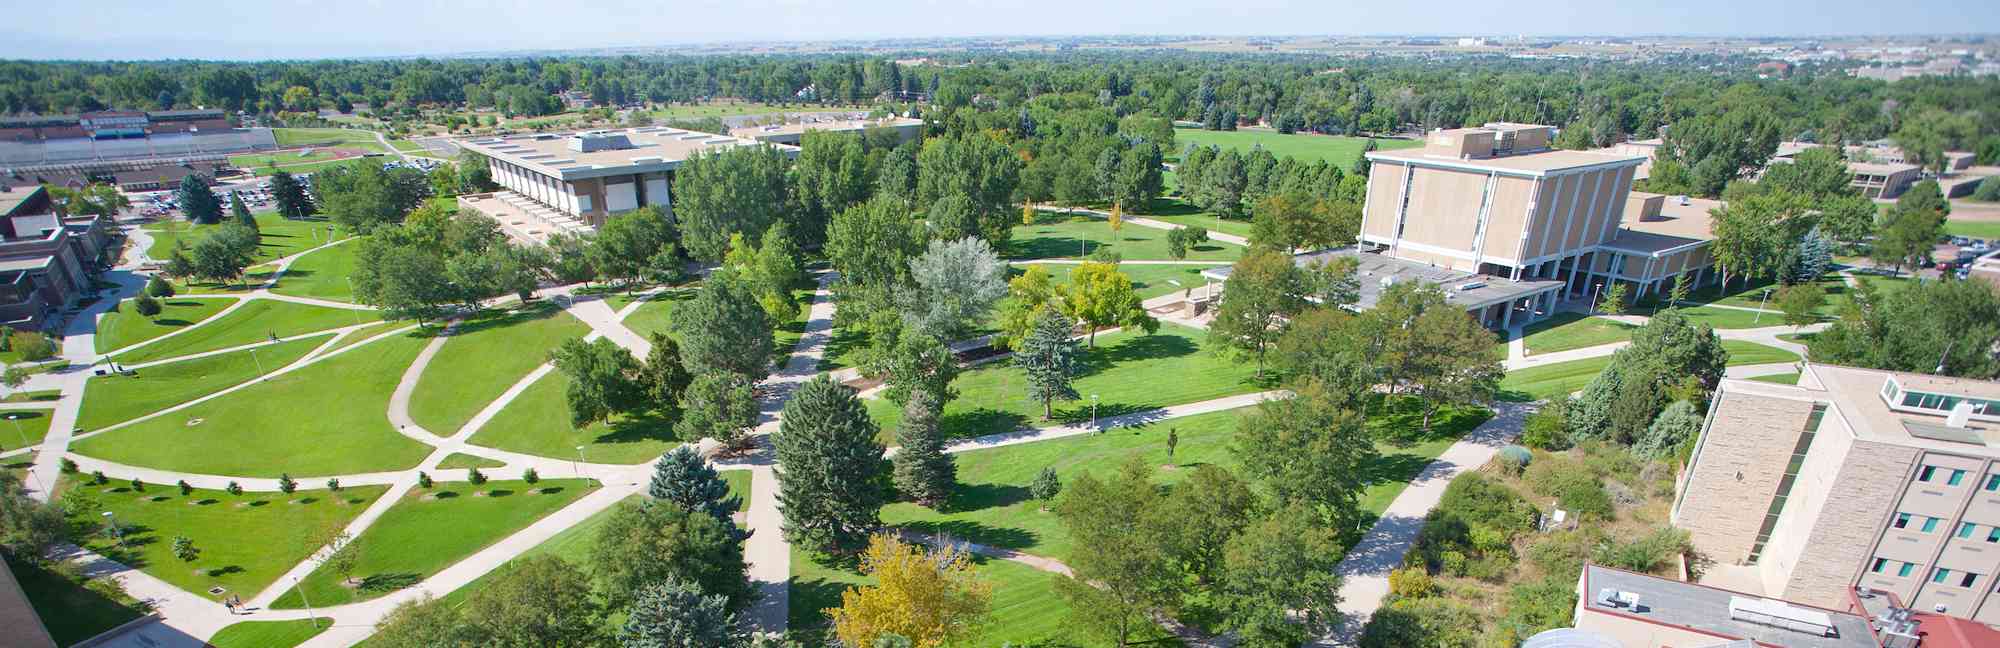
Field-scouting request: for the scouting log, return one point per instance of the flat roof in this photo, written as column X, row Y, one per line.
column 1882, row 168
column 800, row 127
column 1528, row 164
column 653, row 149
column 1676, row 226
column 1856, row 395
column 1372, row 268
column 1707, row 610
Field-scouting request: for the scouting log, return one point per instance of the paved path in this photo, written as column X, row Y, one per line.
column 1364, row 572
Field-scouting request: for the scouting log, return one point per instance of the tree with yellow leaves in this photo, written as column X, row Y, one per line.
column 1117, row 217
column 929, row 596
column 1027, row 213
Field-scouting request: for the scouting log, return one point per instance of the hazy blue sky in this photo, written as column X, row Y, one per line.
column 235, row 29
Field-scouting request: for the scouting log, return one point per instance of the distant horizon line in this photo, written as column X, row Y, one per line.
column 743, row 42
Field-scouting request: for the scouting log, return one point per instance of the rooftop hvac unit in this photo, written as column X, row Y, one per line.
column 1464, row 287
column 1778, row 614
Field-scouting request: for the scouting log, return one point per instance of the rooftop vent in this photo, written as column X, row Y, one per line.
column 1960, row 416
column 1612, row 598
column 1779, row 614
column 1470, row 286
column 593, row 141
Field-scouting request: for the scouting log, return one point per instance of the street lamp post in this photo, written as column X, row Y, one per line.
column 1760, row 306
column 15, row 417
column 310, row 614
column 116, row 532
column 259, row 361
column 1093, row 412
column 578, row 465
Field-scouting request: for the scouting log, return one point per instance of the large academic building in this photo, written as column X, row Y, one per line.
column 575, row 181
column 1864, row 478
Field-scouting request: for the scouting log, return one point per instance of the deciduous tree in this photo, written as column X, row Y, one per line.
column 931, row 598
column 1265, row 288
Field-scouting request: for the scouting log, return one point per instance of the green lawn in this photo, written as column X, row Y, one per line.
column 1128, row 372
column 111, row 399
column 1988, row 230
column 1885, row 284
column 365, row 333
column 1781, row 378
column 1055, row 236
column 23, row 427
column 484, row 357
column 991, row 505
column 125, row 326
column 1752, row 353
column 328, row 418
column 432, row 529
column 307, row 167
column 1180, row 212
column 462, row 460
column 1567, row 330
column 260, row 160
column 1026, row 611
column 656, row 314
column 269, row 634
column 1730, row 318
column 537, row 423
column 36, row 396
column 1342, row 151
column 255, row 322
column 277, row 236
column 322, row 274
column 343, row 137
column 246, row 542
column 1551, row 380
column 71, row 610
column 408, row 146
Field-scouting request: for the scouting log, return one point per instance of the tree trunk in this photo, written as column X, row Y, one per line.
column 1047, row 411
column 1093, row 336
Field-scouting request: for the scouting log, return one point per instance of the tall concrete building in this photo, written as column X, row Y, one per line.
column 1496, row 201
column 1853, row 478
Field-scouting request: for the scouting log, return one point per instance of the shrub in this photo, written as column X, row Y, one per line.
column 186, row 488
column 478, row 478
column 1649, row 553
column 1549, row 476
column 1546, row 429
column 35, row 348
column 97, row 478
column 1410, row 582
column 531, row 476
column 423, row 480
column 1585, row 500
column 333, row 484
column 68, row 465
column 1513, row 459
column 1988, row 191
column 234, row 489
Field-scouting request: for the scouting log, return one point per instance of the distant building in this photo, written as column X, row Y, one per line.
column 47, row 263
column 1884, row 480
column 51, row 142
column 1770, row 69
column 906, row 129
column 575, row 181
column 1884, row 179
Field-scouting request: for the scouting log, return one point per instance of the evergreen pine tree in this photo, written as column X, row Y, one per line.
column 684, row 479
column 291, row 196
column 197, row 202
column 240, row 212
column 146, row 305
column 1048, row 356
column 676, row 614
column 922, row 469
column 829, row 468
column 159, row 288
column 664, row 378
column 285, row 483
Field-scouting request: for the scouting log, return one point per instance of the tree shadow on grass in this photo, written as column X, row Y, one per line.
column 1136, row 348
column 974, row 532
column 1047, row 245
column 974, row 497
column 637, row 428
column 502, row 318
column 979, row 422
column 385, row 583
column 1393, row 467
column 1399, row 420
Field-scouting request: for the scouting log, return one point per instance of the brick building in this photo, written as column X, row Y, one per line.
column 47, row 263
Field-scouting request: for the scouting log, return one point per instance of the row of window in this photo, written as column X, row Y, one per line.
column 1968, row 530
column 1939, row 575
column 1924, row 523
column 1953, row 477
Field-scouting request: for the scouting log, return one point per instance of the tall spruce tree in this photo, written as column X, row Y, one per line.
column 922, row 469
column 829, row 468
column 197, row 202
column 293, row 202
column 240, row 212
column 677, row 614
column 1048, row 356
column 683, row 478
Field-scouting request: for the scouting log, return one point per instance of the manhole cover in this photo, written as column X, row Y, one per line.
column 194, row 422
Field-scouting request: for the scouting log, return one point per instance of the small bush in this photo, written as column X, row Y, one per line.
column 423, row 480
column 35, row 348
column 1652, row 552
column 1585, row 500
column 1546, row 429
column 1550, row 476
column 1514, row 459
column 1411, row 582
column 68, row 466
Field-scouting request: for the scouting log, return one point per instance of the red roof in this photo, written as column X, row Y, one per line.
column 1940, row 631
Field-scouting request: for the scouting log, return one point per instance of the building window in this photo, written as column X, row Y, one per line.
column 1968, row 580
column 1904, row 571
column 1965, row 530
column 1930, row 524
column 1941, row 575
column 1993, row 534
column 1992, row 483
column 1880, row 564
column 1957, row 476
column 1785, row 484
column 1902, row 520
column 1925, row 474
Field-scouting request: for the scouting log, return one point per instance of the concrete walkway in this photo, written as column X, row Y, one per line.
column 1365, row 571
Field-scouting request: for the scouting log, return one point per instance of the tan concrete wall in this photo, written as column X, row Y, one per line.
column 22, row 627
column 1736, row 471
column 1545, row 232
column 1385, row 183
column 1857, row 498
column 1508, row 215
column 1444, row 208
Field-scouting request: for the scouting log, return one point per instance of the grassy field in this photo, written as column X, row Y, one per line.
column 1730, row 318
column 277, row 236
column 24, row 427
column 71, row 611
column 1128, row 372
column 260, row 160
column 537, row 422
column 1782, row 378
column 36, row 396
column 1551, row 380
column 1567, row 330
column 484, row 357
column 322, row 274
column 1752, row 353
column 1339, row 150
column 462, row 460
column 991, row 505
column 1147, row 279
column 657, row 313
column 364, row 333
column 432, row 529
column 1988, row 230
column 255, row 322
column 272, row 427
column 111, row 399
column 125, row 326
column 269, row 634
column 1026, row 611
column 343, row 137
column 1054, row 236
column 246, row 541
column 307, row 167
column 1180, row 212
column 728, row 109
